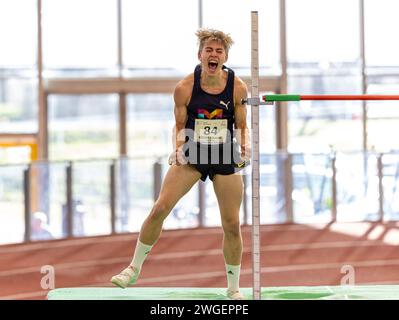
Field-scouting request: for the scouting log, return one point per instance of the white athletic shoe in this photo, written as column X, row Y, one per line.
column 126, row 277
column 235, row 295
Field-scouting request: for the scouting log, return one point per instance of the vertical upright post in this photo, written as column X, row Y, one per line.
column 69, row 201
column 245, row 199
column 27, row 207
column 380, row 173
column 288, row 187
column 157, row 179
column 364, row 75
column 42, row 95
column 39, row 195
column 255, row 157
column 281, row 110
column 364, row 91
column 201, row 204
column 200, row 15
column 119, row 38
column 112, row 185
column 123, row 192
column 122, row 95
column 122, row 124
column 334, row 188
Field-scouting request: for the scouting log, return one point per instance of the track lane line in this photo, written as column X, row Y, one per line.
column 181, row 255
column 59, row 243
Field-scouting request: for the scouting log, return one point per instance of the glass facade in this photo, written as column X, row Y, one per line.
column 238, row 24
column 79, row 35
column 319, row 126
column 83, row 127
column 18, row 55
column 150, row 122
column 11, row 203
column 147, row 53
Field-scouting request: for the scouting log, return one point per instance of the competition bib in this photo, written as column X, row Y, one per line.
column 210, row 131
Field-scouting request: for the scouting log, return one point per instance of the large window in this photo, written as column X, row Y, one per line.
column 18, row 86
column 83, row 127
column 317, row 126
column 382, row 53
column 150, row 124
column 236, row 20
column 159, row 35
column 18, row 33
column 322, row 31
column 80, row 34
column 323, row 58
column 11, row 204
column 381, row 26
column 18, row 104
column 383, row 116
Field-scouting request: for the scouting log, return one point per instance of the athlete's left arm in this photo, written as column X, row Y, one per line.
column 240, row 115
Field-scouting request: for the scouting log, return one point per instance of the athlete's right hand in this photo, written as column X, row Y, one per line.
column 177, row 157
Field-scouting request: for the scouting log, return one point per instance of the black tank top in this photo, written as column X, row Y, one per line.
column 207, row 106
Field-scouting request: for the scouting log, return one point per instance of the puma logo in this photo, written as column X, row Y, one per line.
column 225, row 104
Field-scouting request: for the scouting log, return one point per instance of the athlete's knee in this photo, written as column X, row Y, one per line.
column 231, row 227
column 160, row 210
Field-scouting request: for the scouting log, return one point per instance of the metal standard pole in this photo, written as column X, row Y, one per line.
column 27, row 207
column 42, row 95
column 112, row 185
column 364, row 74
column 380, row 173
column 122, row 124
column 334, row 188
column 201, row 204
column 69, row 201
column 244, row 199
column 157, row 171
column 255, row 157
column 123, row 192
column 122, row 95
column 119, row 38
column 288, row 184
column 200, row 15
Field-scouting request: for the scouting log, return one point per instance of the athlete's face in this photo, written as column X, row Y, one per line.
column 212, row 56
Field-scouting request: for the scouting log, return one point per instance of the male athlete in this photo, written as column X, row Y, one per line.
column 211, row 139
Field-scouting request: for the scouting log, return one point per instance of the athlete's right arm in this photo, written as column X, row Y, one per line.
column 181, row 97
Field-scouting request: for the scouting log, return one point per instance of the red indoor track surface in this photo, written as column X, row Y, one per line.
column 291, row 255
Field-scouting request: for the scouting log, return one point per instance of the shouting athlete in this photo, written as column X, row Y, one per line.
column 210, row 138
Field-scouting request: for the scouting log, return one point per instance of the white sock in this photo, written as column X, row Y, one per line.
column 233, row 277
column 141, row 252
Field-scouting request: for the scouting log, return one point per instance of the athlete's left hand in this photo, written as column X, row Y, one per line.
column 246, row 152
column 177, row 157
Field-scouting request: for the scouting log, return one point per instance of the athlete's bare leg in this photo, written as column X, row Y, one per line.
column 178, row 181
column 229, row 191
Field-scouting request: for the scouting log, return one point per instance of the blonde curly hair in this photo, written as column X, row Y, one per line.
column 205, row 34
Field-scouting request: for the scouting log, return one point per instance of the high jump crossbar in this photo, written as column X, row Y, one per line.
column 269, row 99
column 255, row 102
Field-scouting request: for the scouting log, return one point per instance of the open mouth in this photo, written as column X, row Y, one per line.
column 212, row 65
